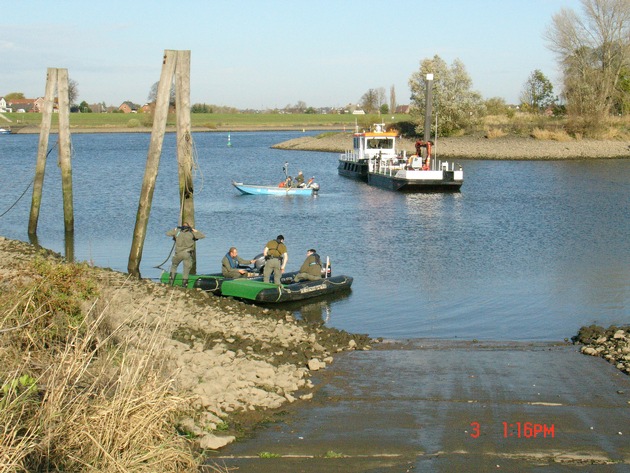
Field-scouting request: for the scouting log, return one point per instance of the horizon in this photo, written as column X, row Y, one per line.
column 269, row 55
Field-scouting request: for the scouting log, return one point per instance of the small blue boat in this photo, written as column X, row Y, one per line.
column 249, row 189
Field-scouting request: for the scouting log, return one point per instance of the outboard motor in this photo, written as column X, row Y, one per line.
column 259, row 263
column 315, row 187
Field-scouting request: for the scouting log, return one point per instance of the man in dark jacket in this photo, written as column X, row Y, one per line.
column 311, row 269
column 185, row 238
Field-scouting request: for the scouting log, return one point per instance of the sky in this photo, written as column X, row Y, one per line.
column 262, row 54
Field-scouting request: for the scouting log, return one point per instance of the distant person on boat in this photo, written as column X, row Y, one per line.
column 185, row 238
column 276, row 257
column 230, row 265
column 310, row 182
column 288, row 182
column 300, row 179
column 311, row 269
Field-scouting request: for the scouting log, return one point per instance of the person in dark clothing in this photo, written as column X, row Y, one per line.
column 185, row 238
column 276, row 258
column 311, row 269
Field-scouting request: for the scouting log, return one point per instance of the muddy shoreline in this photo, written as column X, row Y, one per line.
column 479, row 147
column 509, row 147
column 240, row 362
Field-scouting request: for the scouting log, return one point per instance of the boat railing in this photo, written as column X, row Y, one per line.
column 389, row 167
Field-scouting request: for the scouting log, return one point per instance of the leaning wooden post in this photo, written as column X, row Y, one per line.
column 184, row 142
column 44, row 133
column 65, row 162
column 153, row 161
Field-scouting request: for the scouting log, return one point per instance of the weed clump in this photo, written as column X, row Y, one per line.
column 75, row 395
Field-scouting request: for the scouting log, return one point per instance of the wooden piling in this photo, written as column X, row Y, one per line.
column 65, row 162
column 153, row 161
column 44, row 133
column 184, row 142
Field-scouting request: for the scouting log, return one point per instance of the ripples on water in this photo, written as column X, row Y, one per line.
column 526, row 250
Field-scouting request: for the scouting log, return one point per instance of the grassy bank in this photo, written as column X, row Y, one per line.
column 209, row 121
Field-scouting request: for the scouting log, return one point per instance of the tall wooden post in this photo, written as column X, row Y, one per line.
column 153, row 161
column 184, row 142
column 44, row 133
column 65, row 162
column 55, row 78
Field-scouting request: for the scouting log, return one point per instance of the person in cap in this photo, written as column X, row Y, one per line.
column 276, row 257
column 300, row 179
column 311, row 269
column 185, row 238
column 230, row 265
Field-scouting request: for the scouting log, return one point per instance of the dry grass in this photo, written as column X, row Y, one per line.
column 492, row 133
column 555, row 135
column 79, row 401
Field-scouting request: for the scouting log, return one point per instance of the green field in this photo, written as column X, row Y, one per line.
column 209, row 121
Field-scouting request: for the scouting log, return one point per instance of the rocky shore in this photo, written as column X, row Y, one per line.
column 478, row 147
column 238, row 361
column 612, row 344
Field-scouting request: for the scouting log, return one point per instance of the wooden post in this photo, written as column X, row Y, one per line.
column 44, row 133
column 153, row 161
column 184, row 142
column 65, row 162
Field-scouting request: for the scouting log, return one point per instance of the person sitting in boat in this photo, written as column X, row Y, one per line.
column 310, row 181
column 230, row 265
column 288, row 182
column 311, row 269
column 300, row 179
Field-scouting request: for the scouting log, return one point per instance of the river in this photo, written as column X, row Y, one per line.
column 528, row 250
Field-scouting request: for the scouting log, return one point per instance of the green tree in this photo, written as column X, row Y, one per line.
column 14, row 96
column 497, row 106
column 456, row 106
column 593, row 50
column 537, row 92
column 84, row 107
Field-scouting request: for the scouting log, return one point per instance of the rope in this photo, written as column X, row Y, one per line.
column 27, row 187
column 197, row 169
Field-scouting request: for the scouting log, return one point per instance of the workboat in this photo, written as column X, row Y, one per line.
column 249, row 189
column 5, row 131
column 262, row 292
column 254, row 289
column 374, row 159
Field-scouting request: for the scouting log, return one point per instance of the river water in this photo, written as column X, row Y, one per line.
column 526, row 251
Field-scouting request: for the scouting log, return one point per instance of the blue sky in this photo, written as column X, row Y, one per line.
column 272, row 53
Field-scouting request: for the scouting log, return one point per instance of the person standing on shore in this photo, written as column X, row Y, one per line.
column 276, row 257
column 185, row 238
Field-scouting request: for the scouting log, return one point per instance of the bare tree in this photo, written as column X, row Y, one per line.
column 593, row 49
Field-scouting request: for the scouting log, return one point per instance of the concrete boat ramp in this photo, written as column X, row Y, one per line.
column 443, row 406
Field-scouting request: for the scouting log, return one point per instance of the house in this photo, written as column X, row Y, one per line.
column 21, row 105
column 129, row 107
column 3, row 105
column 402, row 109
